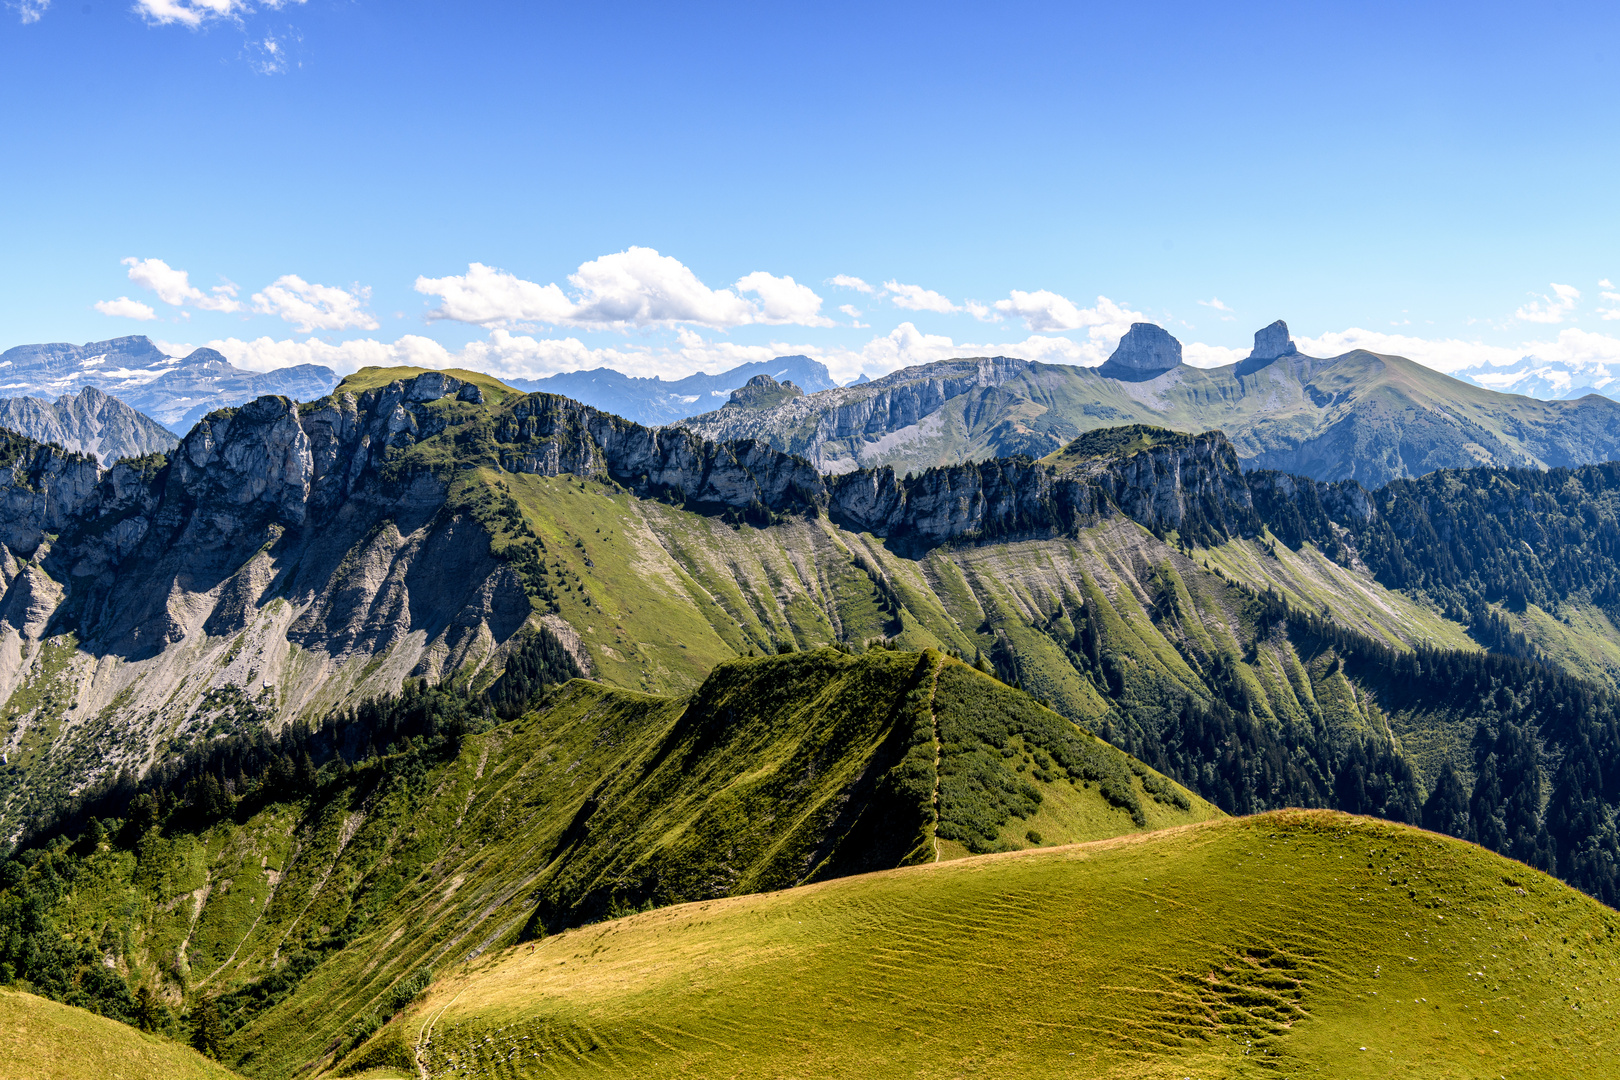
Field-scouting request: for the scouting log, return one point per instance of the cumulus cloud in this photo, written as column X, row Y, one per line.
column 313, row 307
column 1550, row 308
column 125, row 308
column 30, row 11
column 634, row 288
column 784, row 301
column 854, row 314
column 193, row 13
column 917, row 298
column 1214, row 302
column 845, row 281
column 174, row 287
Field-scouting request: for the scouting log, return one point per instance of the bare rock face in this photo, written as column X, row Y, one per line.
column 1145, row 351
column 1272, row 342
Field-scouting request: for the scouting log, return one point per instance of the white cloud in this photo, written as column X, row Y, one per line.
column 1046, row 310
column 982, row 312
column 193, row 13
column 174, row 287
column 784, row 300
column 845, row 281
column 634, row 288
column 854, row 314
column 30, row 11
column 487, row 296
column 1197, row 354
column 125, row 308
column 1214, row 302
column 1550, row 309
column 917, row 298
column 315, row 307
column 1609, row 313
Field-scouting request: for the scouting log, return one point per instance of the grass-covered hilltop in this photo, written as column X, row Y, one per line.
column 435, row 728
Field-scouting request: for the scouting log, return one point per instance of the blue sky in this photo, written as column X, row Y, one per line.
column 534, row 187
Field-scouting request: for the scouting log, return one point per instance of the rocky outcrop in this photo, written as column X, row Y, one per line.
column 1160, row 488
column 762, row 392
column 1272, row 342
column 1146, row 351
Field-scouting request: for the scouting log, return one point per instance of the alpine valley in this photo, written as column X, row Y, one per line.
column 988, row 717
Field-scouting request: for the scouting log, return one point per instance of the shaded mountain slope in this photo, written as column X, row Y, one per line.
column 88, row 422
column 1287, row 944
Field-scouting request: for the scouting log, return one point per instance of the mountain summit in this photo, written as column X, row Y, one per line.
column 1147, row 350
column 1272, row 342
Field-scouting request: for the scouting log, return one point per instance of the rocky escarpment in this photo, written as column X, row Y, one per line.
column 277, row 564
column 834, row 429
column 1163, row 487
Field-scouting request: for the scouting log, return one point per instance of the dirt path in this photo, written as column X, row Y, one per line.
column 424, row 1034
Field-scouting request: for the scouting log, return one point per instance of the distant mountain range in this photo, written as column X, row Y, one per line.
column 1547, row 380
column 1361, row 416
column 89, row 422
column 656, row 401
column 176, row 391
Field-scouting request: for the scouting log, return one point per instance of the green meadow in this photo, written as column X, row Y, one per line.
column 1291, row 943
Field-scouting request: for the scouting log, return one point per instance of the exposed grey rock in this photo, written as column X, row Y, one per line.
column 1273, row 341
column 1146, row 349
column 89, row 422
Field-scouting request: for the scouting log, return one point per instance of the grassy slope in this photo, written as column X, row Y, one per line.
column 44, row 1040
column 672, row 592
column 370, row 378
column 1286, row 944
column 781, row 770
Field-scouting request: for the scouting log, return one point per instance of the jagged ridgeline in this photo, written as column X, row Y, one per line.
column 300, row 913
column 1243, row 633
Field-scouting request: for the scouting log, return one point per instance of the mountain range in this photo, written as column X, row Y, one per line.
column 1361, row 416
column 332, row 720
column 175, row 391
column 660, row 401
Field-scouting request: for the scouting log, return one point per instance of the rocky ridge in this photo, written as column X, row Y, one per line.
column 291, row 558
column 89, row 422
